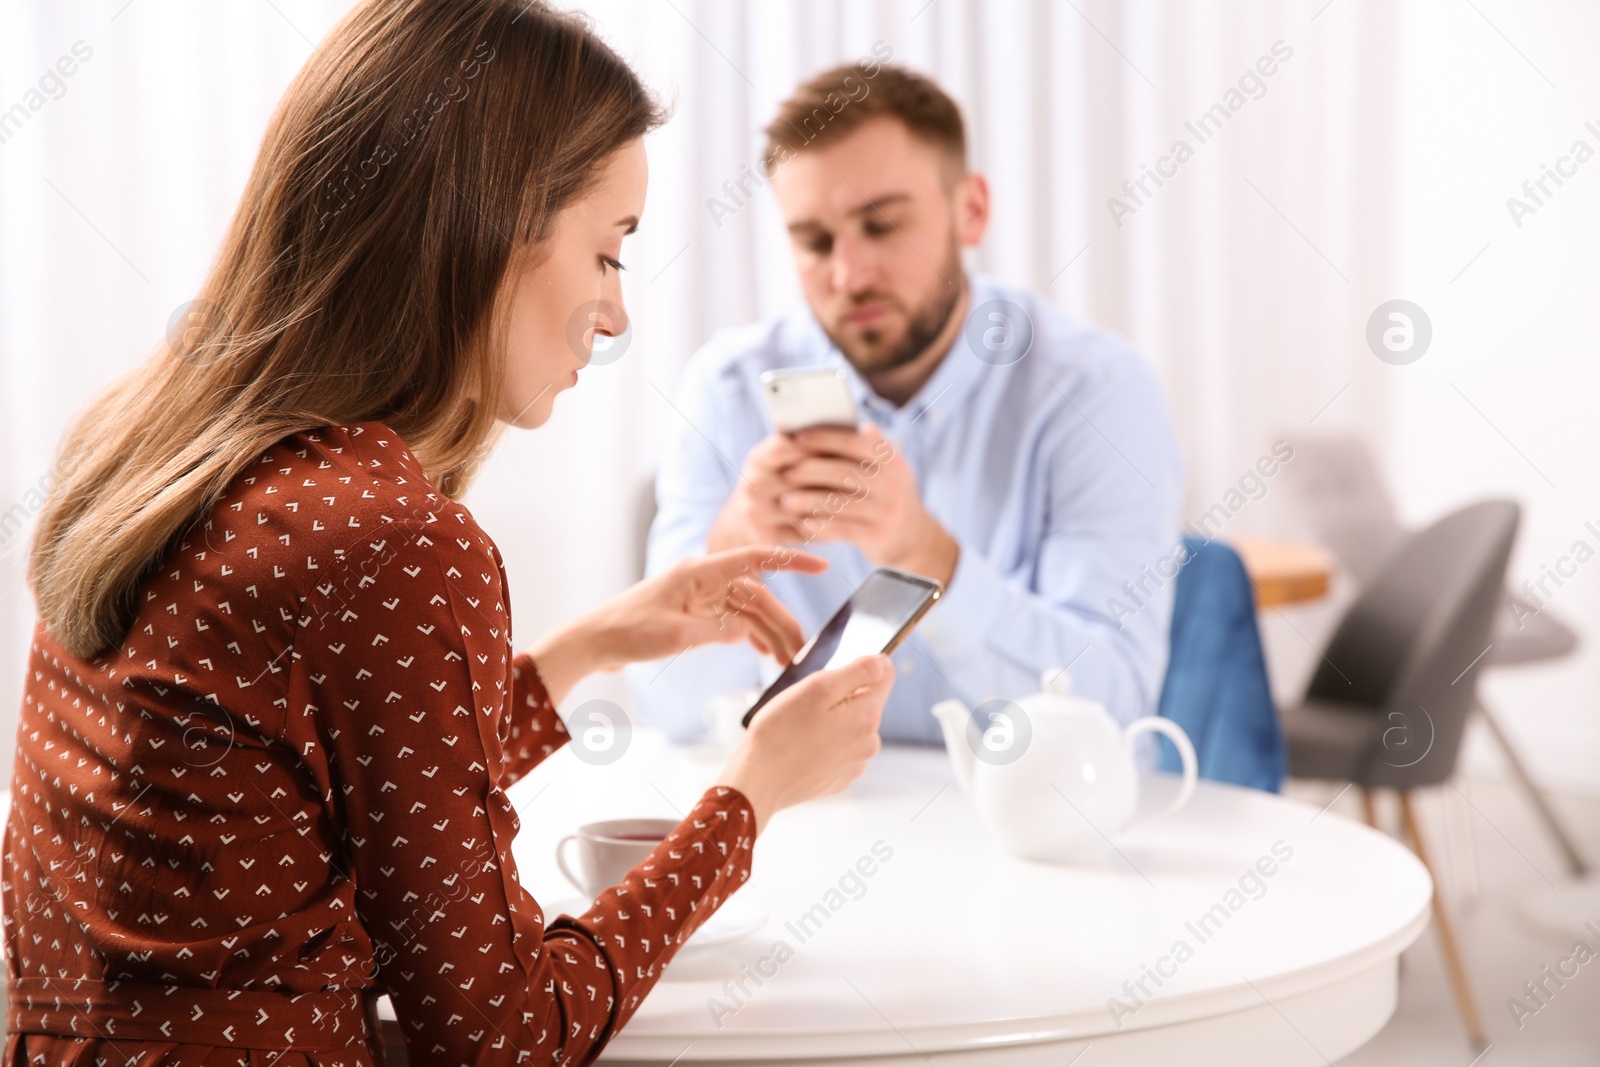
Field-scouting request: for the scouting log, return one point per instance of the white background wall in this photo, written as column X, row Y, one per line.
column 1375, row 166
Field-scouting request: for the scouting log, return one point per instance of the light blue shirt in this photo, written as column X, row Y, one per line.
column 1042, row 445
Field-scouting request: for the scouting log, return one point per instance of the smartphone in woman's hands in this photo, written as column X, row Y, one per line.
column 876, row 618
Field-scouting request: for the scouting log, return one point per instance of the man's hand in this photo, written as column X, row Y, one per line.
column 714, row 599
column 853, row 485
column 751, row 514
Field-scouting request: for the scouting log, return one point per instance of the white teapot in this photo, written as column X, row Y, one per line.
column 1051, row 774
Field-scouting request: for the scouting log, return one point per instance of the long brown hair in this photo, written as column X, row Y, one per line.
column 363, row 278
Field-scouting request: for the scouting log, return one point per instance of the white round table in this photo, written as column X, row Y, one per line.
column 951, row 952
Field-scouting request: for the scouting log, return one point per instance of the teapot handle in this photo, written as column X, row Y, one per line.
column 1191, row 765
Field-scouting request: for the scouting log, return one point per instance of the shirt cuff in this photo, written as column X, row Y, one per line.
column 530, row 693
column 956, row 627
column 535, row 728
column 683, row 881
column 528, row 673
column 528, row 682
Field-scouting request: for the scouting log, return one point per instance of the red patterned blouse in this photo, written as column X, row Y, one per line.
column 284, row 793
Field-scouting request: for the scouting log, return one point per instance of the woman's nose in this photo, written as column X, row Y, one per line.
column 607, row 323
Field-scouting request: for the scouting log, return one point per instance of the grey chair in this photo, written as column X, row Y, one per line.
column 1388, row 704
column 1337, row 489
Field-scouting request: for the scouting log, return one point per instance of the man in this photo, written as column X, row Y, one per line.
column 1030, row 463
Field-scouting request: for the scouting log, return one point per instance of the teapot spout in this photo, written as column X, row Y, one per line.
column 954, row 718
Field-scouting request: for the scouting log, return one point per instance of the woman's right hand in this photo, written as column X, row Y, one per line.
column 813, row 739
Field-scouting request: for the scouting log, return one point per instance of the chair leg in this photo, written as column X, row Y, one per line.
column 1575, row 862
column 1447, row 934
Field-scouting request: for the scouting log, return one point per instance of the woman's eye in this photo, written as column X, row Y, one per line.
column 613, row 264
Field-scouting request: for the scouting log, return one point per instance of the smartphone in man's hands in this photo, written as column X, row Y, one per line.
column 876, row 618
column 799, row 398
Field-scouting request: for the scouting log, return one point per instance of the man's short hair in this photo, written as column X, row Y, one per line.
column 838, row 101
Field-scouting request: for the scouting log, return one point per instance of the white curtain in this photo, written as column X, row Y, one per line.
column 1247, row 275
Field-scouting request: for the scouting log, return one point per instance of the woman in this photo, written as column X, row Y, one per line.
column 272, row 706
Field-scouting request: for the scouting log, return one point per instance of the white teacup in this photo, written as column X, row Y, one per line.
column 607, row 851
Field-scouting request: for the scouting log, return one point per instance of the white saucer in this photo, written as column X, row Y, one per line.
column 734, row 920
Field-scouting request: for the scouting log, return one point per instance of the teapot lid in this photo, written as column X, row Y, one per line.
column 1056, row 681
column 1059, row 698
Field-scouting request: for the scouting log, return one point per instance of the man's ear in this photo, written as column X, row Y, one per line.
column 972, row 208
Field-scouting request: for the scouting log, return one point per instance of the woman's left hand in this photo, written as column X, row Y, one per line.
column 713, row 599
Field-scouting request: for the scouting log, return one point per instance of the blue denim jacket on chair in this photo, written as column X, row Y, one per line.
column 1216, row 685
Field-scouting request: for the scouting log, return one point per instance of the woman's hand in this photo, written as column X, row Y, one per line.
column 813, row 739
column 718, row 598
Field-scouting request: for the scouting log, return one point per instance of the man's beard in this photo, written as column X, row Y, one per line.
column 927, row 322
